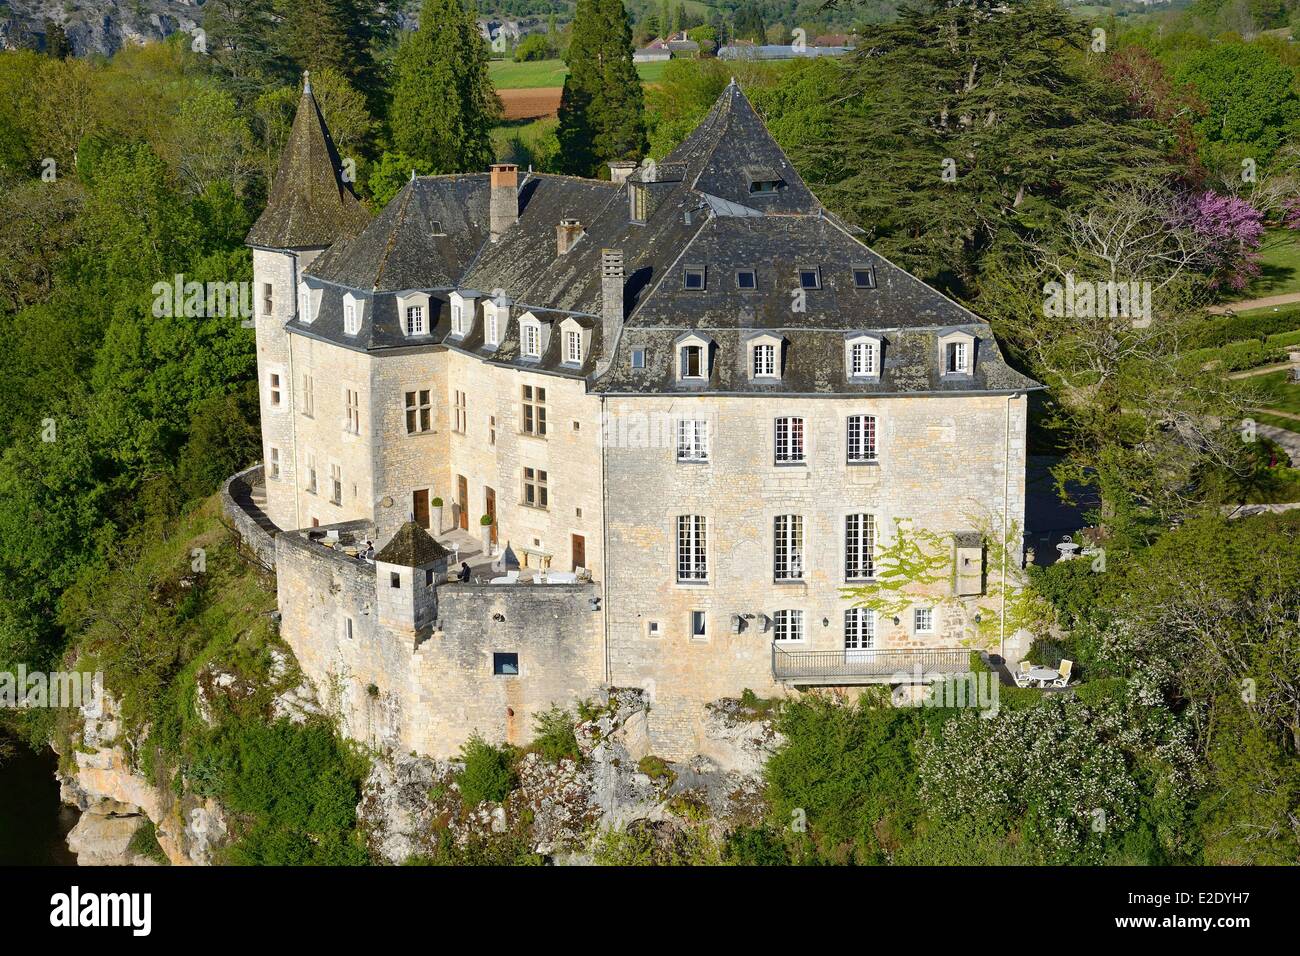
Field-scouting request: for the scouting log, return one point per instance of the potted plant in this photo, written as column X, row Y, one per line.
column 485, row 523
column 437, row 511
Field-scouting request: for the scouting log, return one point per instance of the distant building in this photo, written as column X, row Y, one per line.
column 837, row 39
column 653, row 52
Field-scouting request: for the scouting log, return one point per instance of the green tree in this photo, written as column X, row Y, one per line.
column 444, row 105
column 602, row 112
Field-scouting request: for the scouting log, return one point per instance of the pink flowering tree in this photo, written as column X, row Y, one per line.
column 1231, row 230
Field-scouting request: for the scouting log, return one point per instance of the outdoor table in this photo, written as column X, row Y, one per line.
column 1044, row 675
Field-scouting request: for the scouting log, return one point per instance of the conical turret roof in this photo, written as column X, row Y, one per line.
column 310, row 205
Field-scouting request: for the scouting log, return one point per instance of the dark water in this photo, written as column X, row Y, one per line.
column 33, row 823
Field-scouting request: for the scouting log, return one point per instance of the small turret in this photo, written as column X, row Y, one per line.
column 407, row 571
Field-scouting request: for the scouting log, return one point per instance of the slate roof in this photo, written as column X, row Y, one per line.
column 703, row 211
column 310, row 205
column 412, row 547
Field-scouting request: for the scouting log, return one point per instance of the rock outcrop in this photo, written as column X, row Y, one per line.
column 97, row 26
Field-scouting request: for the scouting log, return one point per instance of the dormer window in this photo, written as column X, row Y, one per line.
column 747, row 280
column 763, row 180
column 864, row 277
column 693, row 280
column 573, row 347
column 692, row 361
column 352, row 310
column 862, row 359
column 764, row 361
column 491, row 327
column 415, row 320
column 638, row 202
column 530, row 337
column 304, row 305
column 638, row 358
column 956, row 352
column 457, row 319
column 810, row 277
column 955, row 358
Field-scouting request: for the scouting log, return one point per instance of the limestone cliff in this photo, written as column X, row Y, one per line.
column 96, row 26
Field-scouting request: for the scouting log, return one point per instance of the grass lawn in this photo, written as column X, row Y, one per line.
column 526, row 142
column 509, row 75
column 1280, row 394
column 1279, row 259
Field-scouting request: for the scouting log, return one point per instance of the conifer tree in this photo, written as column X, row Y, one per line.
column 602, row 111
column 444, row 105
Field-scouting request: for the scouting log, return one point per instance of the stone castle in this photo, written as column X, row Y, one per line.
column 526, row 436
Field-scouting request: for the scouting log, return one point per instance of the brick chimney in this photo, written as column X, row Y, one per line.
column 503, row 204
column 567, row 233
column 620, row 170
column 611, row 298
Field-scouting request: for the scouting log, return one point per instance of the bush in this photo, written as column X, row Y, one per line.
column 535, row 46
column 555, row 739
column 144, row 842
column 489, row 773
column 755, row 846
column 656, row 768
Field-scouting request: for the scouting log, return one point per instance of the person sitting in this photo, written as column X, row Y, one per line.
column 464, row 573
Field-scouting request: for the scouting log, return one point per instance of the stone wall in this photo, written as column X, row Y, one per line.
column 396, row 691
column 234, row 493
column 943, row 462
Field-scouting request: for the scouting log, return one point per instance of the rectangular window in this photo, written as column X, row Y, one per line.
column 859, row 629
column 394, row 579
column 764, row 361
column 415, row 320
column 859, row 547
column 923, row 620
column 699, row 626
column 639, row 203
column 311, row 472
column 336, row 484
column 308, row 395
column 956, row 357
column 693, row 278
column 268, row 299
column 691, row 361
column 861, row 441
column 274, row 391
column 692, row 548
column 652, row 629
column 492, row 429
column 304, row 307
column 787, row 548
column 787, row 626
column 460, row 413
column 692, row 440
column 275, row 464
column 505, row 665
column 457, row 319
column 864, row 277
column 347, row 628
column 419, row 412
column 862, row 359
column 531, row 339
column 535, row 490
column 810, row 277
column 350, row 324
column 573, row 347
column 353, row 400
column 534, row 406
column 490, row 324
column 789, row 441
column 747, row 280
column 638, row 358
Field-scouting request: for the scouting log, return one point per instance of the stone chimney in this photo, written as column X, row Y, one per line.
column 620, row 170
column 567, row 233
column 611, row 298
column 503, row 205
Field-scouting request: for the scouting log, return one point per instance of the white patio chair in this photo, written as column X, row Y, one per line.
column 1064, row 679
column 1021, row 675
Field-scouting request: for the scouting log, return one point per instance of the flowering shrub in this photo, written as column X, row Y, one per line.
column 1231, row 229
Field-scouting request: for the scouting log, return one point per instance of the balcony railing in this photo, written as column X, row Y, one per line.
column 867, row 666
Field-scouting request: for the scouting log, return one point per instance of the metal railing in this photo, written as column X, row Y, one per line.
column 847, row 664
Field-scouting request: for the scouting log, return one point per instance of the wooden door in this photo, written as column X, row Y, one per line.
column 462, row 500
column 490, row 509
column 579, row 552
column 420, row 507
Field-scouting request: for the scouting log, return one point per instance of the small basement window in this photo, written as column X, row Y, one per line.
column 505, row 665
column 747, row 279
column 864, row 277
column 810, row 278
column 694, row 278
column 653, row 629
